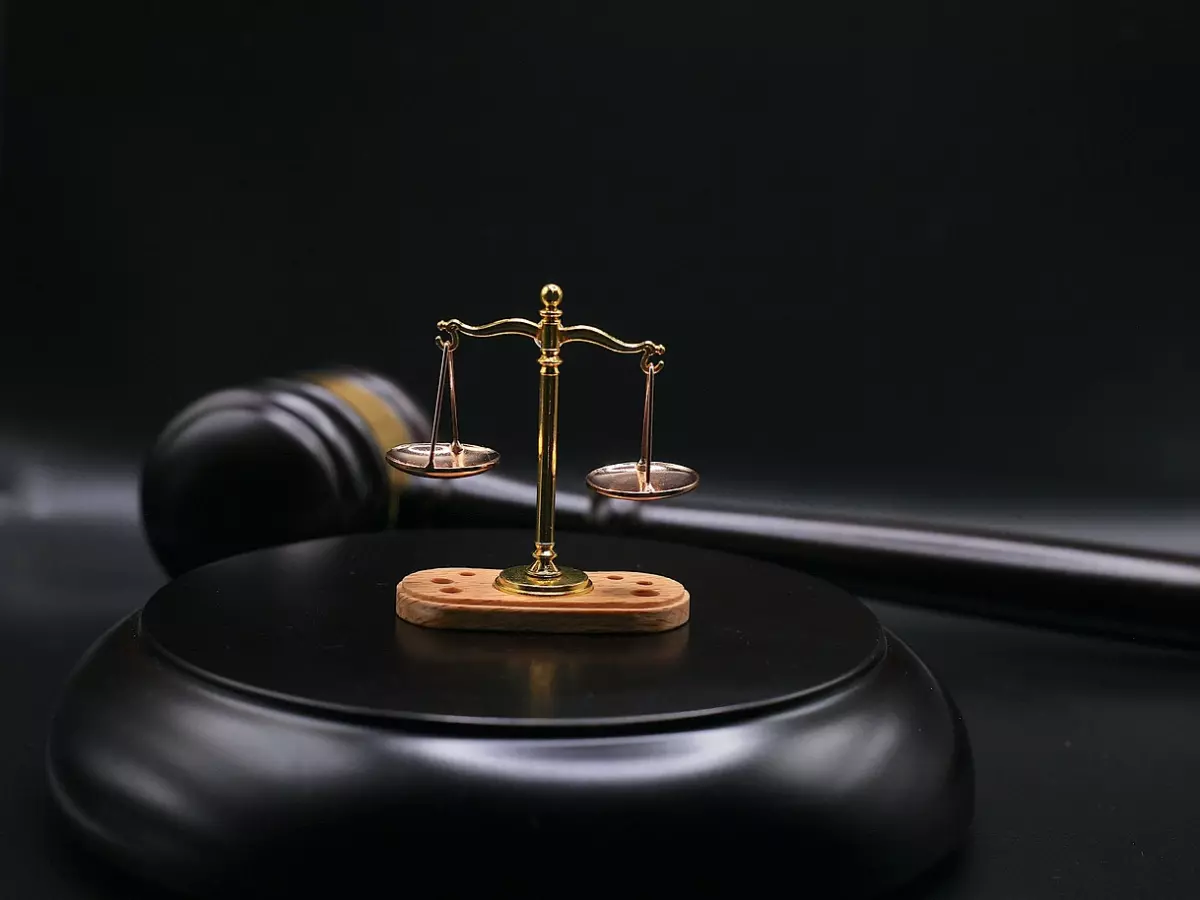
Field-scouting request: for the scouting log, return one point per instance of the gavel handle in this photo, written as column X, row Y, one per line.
column 1077, row 586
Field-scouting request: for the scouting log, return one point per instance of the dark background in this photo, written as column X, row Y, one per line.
column 903, row 254
column 923, row 249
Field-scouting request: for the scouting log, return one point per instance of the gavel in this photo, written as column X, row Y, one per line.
column 302, row 457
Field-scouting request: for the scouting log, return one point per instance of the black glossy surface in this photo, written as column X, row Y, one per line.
column 192, row 783
column 1084, row 748
column 316, row 621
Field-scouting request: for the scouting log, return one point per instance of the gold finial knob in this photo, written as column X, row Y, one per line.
column 552, row 296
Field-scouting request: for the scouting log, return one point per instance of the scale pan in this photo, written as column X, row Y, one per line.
column 625, row 482
column 468, row 459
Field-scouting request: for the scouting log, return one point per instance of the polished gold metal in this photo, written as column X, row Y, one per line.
column 633, row 481
column 543, row 576
column 644, row 479
column 522, row 580
column 448, row 461
column 440, row 460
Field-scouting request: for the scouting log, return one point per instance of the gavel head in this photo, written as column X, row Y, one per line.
column 281, row 461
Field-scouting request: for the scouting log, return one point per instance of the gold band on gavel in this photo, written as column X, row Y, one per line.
column 387, row 429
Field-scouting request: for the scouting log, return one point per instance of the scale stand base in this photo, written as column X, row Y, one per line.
column 468, row 599
column 519, row 580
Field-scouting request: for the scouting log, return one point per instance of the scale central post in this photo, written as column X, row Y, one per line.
column 544, row 573
column 544, row 576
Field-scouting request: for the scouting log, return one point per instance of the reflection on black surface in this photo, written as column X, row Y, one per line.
column 316, row 623
column 537, row 667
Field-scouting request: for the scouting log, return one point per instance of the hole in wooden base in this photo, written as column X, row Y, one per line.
column 466, row 574
column 616, row 577
column 451, row 590
column 641, row 592
column 645, row 582
column 443, row 581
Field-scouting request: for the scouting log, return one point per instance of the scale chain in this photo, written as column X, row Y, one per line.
column 644, row 466
column 437, row 403
column 455, row 445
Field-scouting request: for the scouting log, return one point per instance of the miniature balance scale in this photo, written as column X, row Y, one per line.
column 543, row 596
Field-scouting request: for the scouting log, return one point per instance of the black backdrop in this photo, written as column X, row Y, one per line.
column 904, row 246
column 968, row 236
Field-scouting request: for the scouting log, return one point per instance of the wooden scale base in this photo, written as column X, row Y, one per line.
column 465, row 598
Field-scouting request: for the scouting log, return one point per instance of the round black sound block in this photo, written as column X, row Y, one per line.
column 267, row 724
